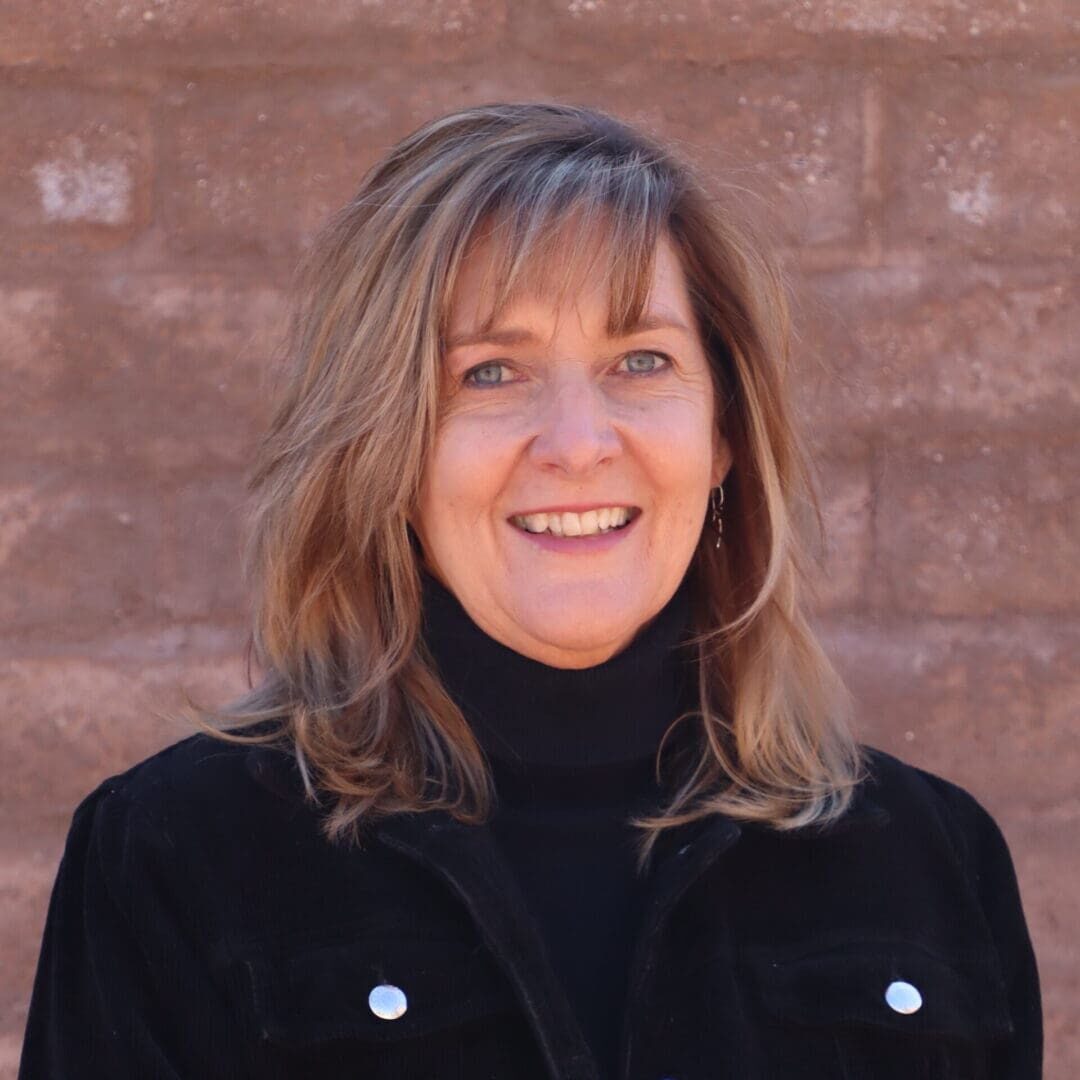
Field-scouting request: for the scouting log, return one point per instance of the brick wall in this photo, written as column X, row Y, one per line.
column 165, row 161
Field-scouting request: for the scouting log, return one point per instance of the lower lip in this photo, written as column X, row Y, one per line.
column 581, row 545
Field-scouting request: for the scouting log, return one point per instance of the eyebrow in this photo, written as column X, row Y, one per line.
column 520, row 335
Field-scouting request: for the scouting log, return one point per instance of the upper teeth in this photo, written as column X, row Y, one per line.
column 568, row 524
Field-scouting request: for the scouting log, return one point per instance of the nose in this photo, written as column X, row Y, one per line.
column 576, row 432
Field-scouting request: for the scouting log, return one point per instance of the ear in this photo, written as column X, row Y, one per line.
column 721, row 460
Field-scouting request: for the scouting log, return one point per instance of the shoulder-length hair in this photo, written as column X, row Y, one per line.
column 347, row 684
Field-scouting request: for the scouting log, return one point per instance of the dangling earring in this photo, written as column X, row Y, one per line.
column 718, row 521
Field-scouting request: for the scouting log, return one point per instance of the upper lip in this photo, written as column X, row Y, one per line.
column 571, row 508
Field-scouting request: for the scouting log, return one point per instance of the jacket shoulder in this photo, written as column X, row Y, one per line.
column 199, row 781
column 909, row 792
column 183, row 829
column 892, row 779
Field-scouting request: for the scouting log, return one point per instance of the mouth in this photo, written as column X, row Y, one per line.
column 568, row 523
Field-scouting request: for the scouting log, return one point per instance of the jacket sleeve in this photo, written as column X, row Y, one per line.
column 120, row 989
column 990, row 867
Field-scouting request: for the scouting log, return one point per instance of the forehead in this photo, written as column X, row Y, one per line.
column 624, row 287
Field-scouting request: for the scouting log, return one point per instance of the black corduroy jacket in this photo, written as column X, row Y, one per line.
column 201, row 927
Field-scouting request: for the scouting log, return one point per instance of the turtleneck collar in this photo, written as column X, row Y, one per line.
column 532, row 715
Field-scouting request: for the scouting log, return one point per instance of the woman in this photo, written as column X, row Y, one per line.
column 546, row 775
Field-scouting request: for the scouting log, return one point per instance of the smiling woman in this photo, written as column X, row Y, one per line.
column 545, row 774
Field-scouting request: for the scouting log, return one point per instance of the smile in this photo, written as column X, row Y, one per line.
column 588, row 523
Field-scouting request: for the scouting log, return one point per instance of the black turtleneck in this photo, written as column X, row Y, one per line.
column 572, row 753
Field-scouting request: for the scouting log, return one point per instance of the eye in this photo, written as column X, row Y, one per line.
column 660, row 361
column 485, row 374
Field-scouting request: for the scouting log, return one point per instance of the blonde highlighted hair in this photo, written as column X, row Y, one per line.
column 347, row 685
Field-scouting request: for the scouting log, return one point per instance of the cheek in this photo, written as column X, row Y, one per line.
column 679, row 450
column 464, row 473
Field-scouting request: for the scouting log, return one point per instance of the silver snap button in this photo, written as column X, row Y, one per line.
column 387, row 1002
column 902, row 997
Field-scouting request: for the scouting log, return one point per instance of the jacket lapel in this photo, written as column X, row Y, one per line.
column 468, row 860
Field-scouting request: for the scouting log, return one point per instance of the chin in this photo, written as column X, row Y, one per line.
column 584, row 630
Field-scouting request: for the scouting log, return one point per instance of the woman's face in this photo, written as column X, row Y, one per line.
column 548, row 427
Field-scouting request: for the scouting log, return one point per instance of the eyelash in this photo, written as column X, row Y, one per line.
column 466, row 380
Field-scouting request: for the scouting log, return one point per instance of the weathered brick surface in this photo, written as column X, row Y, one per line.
column 93, row 32
column 847, row 507
column 979, row 527
column 164, row 164
column 202, row 573
column 985, row 165
column 940, row 24
column 84, row 557
column 76, row 168
column 256, row 168
column 1047, row 861
column 192, row 354
column 80, row 554
column 33, row 353
column 982, row 702
column 154, row 373
column 71, row 721
column 80, row 32
column 895, row 350
column 28, row 861
column 790, row 133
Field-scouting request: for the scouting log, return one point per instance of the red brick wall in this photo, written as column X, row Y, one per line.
column 165, row 161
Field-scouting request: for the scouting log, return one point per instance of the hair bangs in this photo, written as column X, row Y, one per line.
column 577, row 226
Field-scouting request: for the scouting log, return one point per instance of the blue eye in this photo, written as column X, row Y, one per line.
column 488, row 374
column 474, row 376
column 630, row 357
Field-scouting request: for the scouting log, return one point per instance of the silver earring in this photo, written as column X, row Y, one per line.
column 717, row 503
